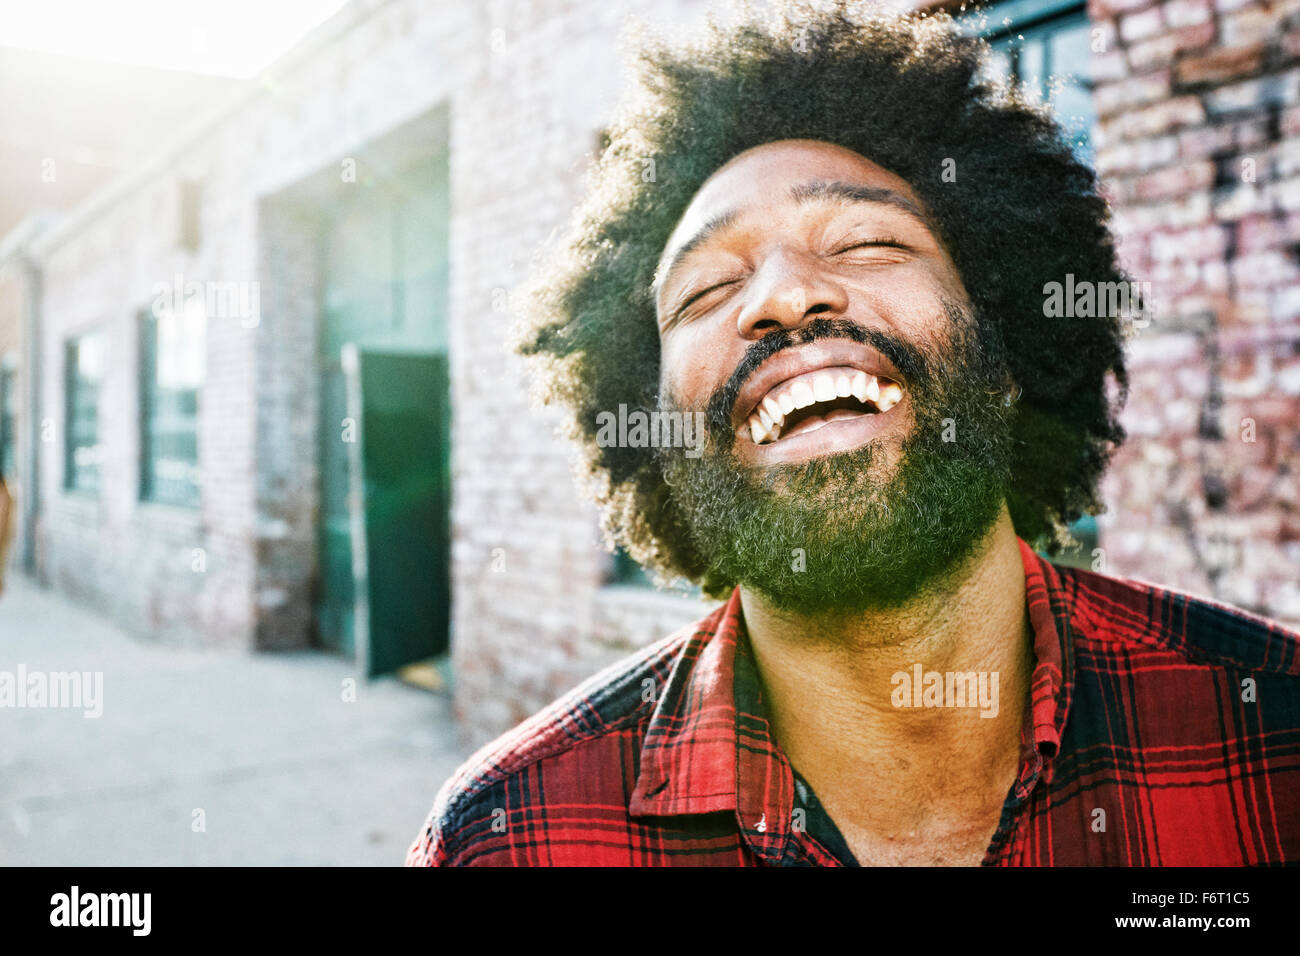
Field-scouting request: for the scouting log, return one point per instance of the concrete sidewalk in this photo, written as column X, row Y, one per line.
column 261, row 749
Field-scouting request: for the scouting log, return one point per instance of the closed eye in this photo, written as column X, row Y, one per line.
column 698, row 295
column 888, row 242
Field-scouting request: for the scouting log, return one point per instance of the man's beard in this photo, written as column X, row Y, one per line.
column 846, row 532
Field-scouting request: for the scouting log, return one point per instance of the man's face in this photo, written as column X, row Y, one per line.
column 856, row 411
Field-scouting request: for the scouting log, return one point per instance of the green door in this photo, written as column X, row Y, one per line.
column 403, row 473
column 384, row 289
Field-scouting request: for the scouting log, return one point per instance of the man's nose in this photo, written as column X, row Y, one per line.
column 789, row 289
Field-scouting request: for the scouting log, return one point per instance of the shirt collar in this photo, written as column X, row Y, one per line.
column 709, row 746
column 703, row 754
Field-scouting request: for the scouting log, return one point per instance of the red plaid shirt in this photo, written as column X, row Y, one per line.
column 1136, row 709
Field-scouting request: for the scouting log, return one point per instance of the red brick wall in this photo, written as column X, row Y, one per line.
column 1198, row 145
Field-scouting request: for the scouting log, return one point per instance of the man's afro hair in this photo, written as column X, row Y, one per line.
column 907, row 92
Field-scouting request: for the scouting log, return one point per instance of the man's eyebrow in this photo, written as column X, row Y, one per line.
column 801, row 194
column 715, row 224
column 857, row 193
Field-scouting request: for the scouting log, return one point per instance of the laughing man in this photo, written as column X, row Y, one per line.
column 841, row 259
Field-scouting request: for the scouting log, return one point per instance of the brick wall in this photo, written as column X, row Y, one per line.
column 288, row 491
column 1198, row 144
column 181, row 575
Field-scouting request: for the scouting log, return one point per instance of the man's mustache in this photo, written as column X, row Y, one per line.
column 915, row 368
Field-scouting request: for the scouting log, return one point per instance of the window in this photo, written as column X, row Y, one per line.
column 627, row 571
column 8, row 422
column 83, row 371
column 172, row 349
column 1045, row 45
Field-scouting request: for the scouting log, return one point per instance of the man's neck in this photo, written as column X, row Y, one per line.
column 834, row 697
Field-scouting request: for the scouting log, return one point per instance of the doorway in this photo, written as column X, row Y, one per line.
column 384, row 288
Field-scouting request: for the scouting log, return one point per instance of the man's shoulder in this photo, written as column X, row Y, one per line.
column 604, row 703
column 554, row 755
column 1115, row 611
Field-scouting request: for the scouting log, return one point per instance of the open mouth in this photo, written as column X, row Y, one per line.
column 809, row 401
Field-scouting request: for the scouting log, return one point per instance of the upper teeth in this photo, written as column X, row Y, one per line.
column 767, row 419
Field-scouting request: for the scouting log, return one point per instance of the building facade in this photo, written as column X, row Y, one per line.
column 385, row 185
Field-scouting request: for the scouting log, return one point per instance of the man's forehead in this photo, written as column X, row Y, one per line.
column 767, row 173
